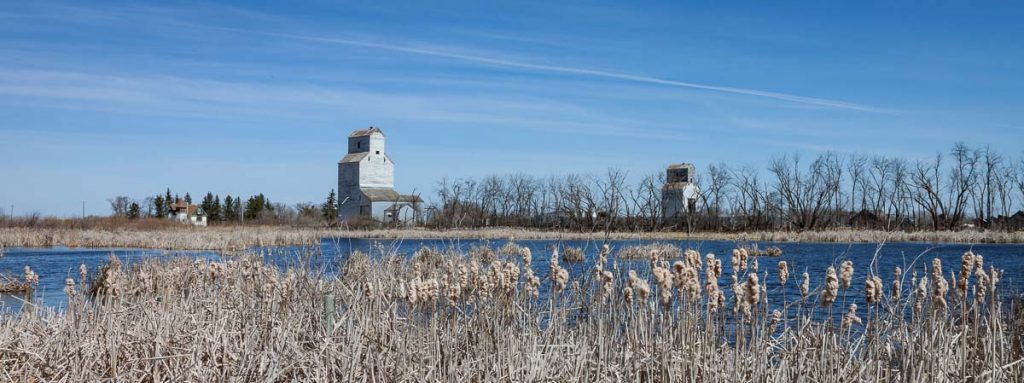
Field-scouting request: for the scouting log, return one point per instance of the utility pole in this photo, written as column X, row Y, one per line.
column 12, row 213
column 83, row 209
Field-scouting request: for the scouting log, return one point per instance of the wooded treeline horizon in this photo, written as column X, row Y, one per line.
column 963, row 187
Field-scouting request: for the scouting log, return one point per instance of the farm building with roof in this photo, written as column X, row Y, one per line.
column 366, row 181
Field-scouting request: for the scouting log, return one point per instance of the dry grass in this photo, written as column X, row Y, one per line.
column 447, row 317
column 572, row 254
column 237, row 238
column 10, row 284
column 646, row 251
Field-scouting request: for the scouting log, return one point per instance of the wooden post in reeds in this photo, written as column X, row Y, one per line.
column 28, row 306
column 329, row 312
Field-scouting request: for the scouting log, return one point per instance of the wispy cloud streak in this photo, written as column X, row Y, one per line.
column 564, row 69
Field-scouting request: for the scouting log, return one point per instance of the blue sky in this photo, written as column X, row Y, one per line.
column 108, row 98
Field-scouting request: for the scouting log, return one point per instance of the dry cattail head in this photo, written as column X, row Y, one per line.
column 754, row 266
column 981, row 287
column 966, row 266
column 31, row 276
column 693, row 259
column 527, row 256
column 897, row 287
column 783, row 272
column 831, row 291
column 607, row 285
column 851, row 317
column 846, row 274
column 735, row 261
column 920, row 293
column 69, row 287
column 776, row 318
column 878, row 288
column 627, row 295
column 643, row 290
column 752, row 289
column 805, row 286
column 869, row 291
column 940, row 286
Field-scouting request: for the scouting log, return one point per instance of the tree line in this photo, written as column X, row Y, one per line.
column 960, row 188
column 255, row 209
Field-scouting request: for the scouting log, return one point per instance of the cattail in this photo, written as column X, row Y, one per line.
column 607, row 285
column 754, row 266
column 851, row 317
column 453, row 292
column 693, row 258
column 627, row 295
column 749, row 294
column 966, row 266
column 919, row 294
column 69, row 287
column 878, row 288
column 981, row 287
column 663, row 278
column 31, row 276
column 82, row 272
column 805, row 286
column 776, row 319
column 846, row 274
column 715, row 297
column 643, row 290
column 639, row 285
column 940, row 287
column 753, row 290
column 527, row 256
column 559, row 276
column 531, row 283
column 896, row 286
column 735, row 260
column 783, row 272
column 831, row 291
column 869, row 291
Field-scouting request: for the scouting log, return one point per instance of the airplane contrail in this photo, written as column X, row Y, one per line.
column 569, row 70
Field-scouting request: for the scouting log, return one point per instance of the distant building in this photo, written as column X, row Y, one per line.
column 679, row 195
column 188, row 213
column 366, row 181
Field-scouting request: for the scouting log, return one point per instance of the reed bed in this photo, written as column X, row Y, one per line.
column 230, row 239
column 645, row 251
column 238, row 238
column 454, row 317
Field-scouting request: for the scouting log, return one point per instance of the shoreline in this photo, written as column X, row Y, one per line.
column 238, row 238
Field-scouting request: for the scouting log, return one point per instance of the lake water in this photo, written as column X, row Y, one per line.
column 53, row 265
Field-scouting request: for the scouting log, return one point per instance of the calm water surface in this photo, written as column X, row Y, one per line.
column 55, row 264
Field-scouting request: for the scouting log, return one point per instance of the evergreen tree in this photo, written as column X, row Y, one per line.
column 134, row 211
column 188, row 199
column 330, row 207
column 214, row 213
column 256, row 206
column 252, row 208
column 167, row 200
column 161, row 206
column 207, row 205
column 229, row 214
